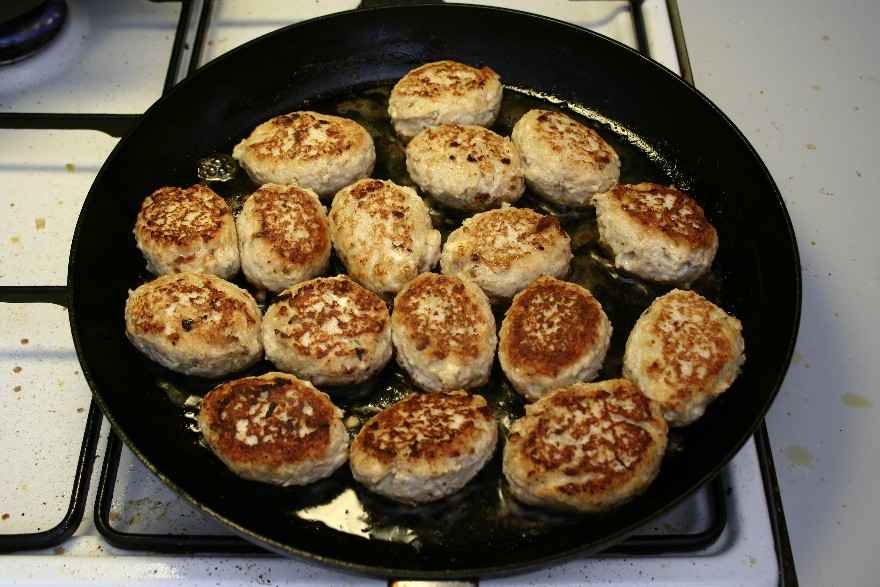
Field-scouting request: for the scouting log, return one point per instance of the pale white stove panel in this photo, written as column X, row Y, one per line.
column 235, row 23
column 44, row 400
column 607, row 17
column 44, row 178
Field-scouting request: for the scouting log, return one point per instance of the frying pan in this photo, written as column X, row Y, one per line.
column 682, row 132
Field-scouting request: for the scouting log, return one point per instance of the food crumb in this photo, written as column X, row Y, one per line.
column 24, row 341
column 59, row 550
column 17, row 388
column 70, row 167
column 854, row 400
column 40, row 223
column 810, row 147
column 114, row 516
column 14, row 239
column 4, row 517
column 826, row 38
column 80, row 410
column 798, row 456
column 16, row 369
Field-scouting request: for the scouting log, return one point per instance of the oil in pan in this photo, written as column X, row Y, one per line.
column 483, row 510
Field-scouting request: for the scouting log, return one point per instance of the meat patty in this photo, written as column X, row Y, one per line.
column 275, row 429
column 425, row 447
column 588, row 447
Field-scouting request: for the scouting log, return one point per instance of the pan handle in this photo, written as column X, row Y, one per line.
column 115, row 125
column 35, row 294
column 431, row 583
column 380, row 4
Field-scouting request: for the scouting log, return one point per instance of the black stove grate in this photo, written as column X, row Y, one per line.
column 117, row 125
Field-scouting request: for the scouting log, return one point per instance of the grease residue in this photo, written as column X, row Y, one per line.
column 854, row 400
column 483, row 511
column 145, row 508
column 798, row 456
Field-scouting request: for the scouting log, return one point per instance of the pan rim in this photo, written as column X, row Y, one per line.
column 490, row 570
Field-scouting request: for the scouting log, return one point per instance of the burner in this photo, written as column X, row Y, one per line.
column 26, row 32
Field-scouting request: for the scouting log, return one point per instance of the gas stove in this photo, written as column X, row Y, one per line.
column 76, row 507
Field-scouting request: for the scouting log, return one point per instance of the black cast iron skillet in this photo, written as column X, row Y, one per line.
column 685, row 137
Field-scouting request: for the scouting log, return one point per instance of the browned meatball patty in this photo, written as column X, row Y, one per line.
column 274, row 428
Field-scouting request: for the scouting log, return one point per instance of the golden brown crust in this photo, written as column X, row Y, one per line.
column 326, row 315
column 467, row 167
column 666, row 210
column 528, row 230
column 549, row 325
column 444, row 79
column 579, row 142
column 587, row 442
column 430, row 428
column 382, row 202
column 267, row 421
column 474, row 144
column 181, row 216
column 205, row 310
column 292, row 222
column 291, row 136
column 695, row 345
column 439, row 312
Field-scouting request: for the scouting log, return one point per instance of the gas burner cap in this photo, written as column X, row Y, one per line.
column 27, row 33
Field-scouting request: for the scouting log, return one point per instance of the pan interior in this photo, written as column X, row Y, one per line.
column 484, row 510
